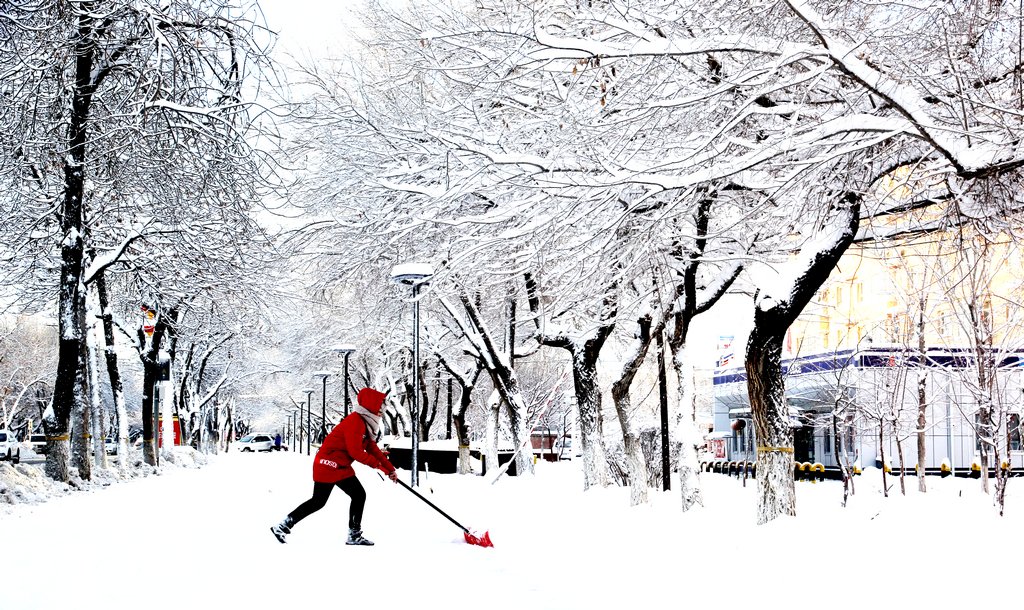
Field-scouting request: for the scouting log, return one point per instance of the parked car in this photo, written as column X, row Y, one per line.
column 38, row 443
column 9, row 448
column 256, row 442
column 110, row 444
column 564, row 449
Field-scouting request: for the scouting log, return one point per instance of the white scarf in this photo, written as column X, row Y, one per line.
column 372, row 421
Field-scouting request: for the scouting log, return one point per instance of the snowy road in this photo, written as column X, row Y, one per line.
column 198, row 538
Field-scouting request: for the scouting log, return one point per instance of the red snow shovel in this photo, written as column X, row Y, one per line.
column 483, row 540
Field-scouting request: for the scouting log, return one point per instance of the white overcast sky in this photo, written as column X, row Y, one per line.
column 311, row 29
column 305, row 28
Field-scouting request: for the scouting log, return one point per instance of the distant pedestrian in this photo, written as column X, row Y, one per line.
column 277, row 442
column 354, row 439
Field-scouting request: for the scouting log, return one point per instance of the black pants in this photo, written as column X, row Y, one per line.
column 322, row 491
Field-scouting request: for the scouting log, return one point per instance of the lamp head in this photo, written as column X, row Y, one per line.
column 344, row 349
column 412, row 273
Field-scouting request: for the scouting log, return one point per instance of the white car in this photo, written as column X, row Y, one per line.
column 256, row 442
column 9, row 449
column 110, row 445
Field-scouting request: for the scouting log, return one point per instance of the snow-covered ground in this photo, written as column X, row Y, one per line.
column 197, row 537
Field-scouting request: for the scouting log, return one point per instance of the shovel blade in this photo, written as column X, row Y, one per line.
column 482, row 540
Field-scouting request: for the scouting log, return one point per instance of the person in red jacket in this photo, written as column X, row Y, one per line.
column 354, row 439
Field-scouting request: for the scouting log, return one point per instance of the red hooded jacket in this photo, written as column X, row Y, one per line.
column 350, row 441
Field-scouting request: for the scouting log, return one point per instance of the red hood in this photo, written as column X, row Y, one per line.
column 371, row 400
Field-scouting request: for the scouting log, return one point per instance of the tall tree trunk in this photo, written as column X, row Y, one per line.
column 491, row 432
column 229, row 425
column 773, row 314
column 503, row 376
column 113, row 372
column 150, row 379
column 584, row 354
column 765, row 386
column 899, row 455
column 518, row 412
column 99, row 415
column 467, row 383
column 837, row 443
column 150, row 375
column 589, row 416
column 462, row 432
column 67, row 396
column 635, row 460
column 686, row 435
column 693, row 303
column 81, row 440
column 881, row 456
column 922, row 401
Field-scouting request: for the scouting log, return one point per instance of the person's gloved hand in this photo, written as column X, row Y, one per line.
column 393, row 475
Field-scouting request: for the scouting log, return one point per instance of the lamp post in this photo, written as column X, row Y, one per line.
column 309, row 416
column 345, row 349
column 295, row 429
column 299, row 429
column 415, row 275
column 323, row 375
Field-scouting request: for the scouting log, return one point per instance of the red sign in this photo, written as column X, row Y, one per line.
column 718, row 447
column 160, row 431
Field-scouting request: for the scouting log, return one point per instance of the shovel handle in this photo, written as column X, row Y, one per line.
column 432, row 505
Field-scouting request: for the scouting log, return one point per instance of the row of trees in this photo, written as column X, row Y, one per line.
column 130, row 178
column 585, row 176
column 607, row 169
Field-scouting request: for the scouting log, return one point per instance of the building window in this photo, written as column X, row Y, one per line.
column 859, row 287
column 1013, row 432
column 839, row 295
column 735, row 442
column 828, row 441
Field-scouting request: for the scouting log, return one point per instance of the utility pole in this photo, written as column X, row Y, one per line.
column 663, row 403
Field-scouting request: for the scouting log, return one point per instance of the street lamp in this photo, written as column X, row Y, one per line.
column 323, row 375
column 309, row 416
column 415, row 275
column 295, row 429
column 345, row 349
column 300, row 433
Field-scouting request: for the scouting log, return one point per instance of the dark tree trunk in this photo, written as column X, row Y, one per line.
column 765, row 386
column 585, row 383
column 113, row 370
column 150, row 377
column 766, row 389
column 635, row 459
column 692, row 304
column 462, row 431
column 81, row 439
column 71, row 303
column 467, row 383
column 588, row 401
column 505, row 381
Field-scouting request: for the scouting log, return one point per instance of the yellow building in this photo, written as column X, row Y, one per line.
column 856, row 367
column 961, row 288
